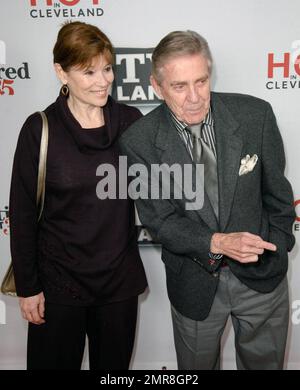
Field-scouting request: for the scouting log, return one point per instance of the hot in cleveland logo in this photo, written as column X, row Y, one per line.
column 284, row 69
column 64, row 8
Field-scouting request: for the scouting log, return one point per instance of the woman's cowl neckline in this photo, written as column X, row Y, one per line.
column 91, row 140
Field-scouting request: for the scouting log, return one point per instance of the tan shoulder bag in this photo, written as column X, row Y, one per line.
column 8, row 286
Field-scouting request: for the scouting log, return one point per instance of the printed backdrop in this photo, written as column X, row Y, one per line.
column 256, row 50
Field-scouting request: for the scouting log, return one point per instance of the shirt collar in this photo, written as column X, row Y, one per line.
column 180, row 126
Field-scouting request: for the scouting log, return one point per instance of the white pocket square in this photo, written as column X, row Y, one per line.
column 247, row 164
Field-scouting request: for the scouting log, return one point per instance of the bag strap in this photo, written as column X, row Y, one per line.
column 41, row 183
column 8, row 286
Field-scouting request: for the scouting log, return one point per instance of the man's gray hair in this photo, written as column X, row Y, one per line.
column 179, row 43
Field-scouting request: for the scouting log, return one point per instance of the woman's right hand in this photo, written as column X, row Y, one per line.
column 33, row 308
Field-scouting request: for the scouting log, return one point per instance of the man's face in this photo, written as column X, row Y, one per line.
column 185, row 87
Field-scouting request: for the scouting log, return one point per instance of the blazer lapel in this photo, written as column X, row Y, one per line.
column 229, row 148
column 175, row 152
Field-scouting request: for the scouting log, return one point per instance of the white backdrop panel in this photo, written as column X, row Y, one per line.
column 241, row 34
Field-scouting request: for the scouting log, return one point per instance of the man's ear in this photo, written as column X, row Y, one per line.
column 61, row 74
column 156, row 86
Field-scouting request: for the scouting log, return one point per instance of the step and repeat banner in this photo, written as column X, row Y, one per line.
column 256, row 50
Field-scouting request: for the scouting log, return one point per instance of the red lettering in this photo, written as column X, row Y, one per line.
column 285, row 65
column 33, row 3
column 49, row 3
column 297, row 65
column 6, row 229
column 5, row 85
column 69, row 2
column 296, row 204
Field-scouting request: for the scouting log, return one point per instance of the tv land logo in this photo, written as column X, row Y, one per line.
column 132, row 85
column 284, row 69
column 64, row 8
column 4, row 221
column 144, row 237
column 8, row 76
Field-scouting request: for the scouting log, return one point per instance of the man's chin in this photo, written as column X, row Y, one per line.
column 196, row 117
column 194, row 120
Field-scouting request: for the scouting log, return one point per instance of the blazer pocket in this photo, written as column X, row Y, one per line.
column 172, row 261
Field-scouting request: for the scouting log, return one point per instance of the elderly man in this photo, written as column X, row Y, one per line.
column 228, row 258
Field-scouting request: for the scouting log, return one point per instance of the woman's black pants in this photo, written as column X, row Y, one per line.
column 60, row 342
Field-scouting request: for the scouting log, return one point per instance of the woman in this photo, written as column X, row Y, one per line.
column 77, row 271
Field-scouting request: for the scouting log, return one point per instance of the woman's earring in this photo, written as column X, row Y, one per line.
column 64, row 90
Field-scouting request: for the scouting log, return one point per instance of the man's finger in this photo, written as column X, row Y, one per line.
column 258, row 242
column 251, row 236
column 267, row 245
column 250, row 259
column 251, row 249
column 247, row 259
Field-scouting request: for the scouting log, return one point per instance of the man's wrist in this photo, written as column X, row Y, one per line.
column 215, row 246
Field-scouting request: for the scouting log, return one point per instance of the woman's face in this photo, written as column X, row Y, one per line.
column 90, row 85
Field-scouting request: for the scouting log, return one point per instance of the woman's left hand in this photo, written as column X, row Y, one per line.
column 33, row 308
